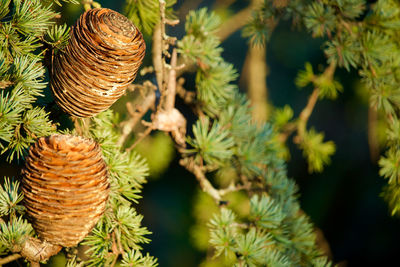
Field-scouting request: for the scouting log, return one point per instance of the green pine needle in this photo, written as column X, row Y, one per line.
column 250, row 247
column 10, row 197
column 266, row 212
column 306, row 76
column 135, row 258
column 58, row 36
column 214, row 87
column 14, row 233
column 145, row 14
column 31, row 17
column 201, row 23
column 223, row 232
column 316, row 150
column 282, row 116
column 390, row 167
column 210, row 143
column 320, row 19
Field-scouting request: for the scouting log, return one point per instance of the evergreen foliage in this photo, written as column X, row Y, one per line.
column 254, row 217
column 146, row 14
column 275, row 223
column 28, row 35
column 120, row 224
column 22, row 82
column 358, row 35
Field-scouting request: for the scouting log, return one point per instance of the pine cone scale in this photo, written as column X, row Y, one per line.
column 100, row 61
column 90, row 95
column 65, row 185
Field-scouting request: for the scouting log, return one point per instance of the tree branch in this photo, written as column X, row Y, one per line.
column 235, row 22
column 187, row 96
column 141, row 137
column 36, row 250
column 164, row 46
column 135, row 115
column 171, row 88
column 157, row 55
column 229, row 27
column 301, row 124
column 306, row 112
column 9, row 258
column 205, row 184
column 255, row 72
column 312, row 100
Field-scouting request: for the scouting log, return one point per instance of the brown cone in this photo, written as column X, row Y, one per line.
column 102, row 58
column 65, row 185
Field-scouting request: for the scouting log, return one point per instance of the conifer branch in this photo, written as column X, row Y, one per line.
column 236, row 22
column 36, row 250
column 205, row 184
column 256, row 71
column 164, row 48
column 300, row 124
column 157, row 47
column 224, row 137
column 306, row 112
column 187, row 96
column 10, row 258
column 171, row 87
column 229, row 27
column 312, row 100
column 142, row 135
column 135, row 114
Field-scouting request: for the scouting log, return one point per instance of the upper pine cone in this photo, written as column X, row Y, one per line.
column 65, row 185
column 101, row 59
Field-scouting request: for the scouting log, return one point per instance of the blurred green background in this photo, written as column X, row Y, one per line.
column 343, row 201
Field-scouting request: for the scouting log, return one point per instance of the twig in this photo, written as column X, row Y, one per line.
column 135, row 116
column 186, row 7
column 187, row 96
column 229, row 27
column 163, row 45
column 205, row 184
column 235, row 22
column 114, row 260
column 159, row 50
column 9, row 258
column 4, row 84
column 233, row 188
column 312, row 100
column 116, row 251
column 157, row 55
column 82, row 126
column 171, row 88
column 306, row 112
column 141, row 137
column 77, row 125
column 256, row 71
column 132, row 87
column 34, row 264
column 36, row 250
column 288, row 129
column 222, row 4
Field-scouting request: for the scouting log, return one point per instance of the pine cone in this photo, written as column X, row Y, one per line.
column 102, row 58
column 65, row 185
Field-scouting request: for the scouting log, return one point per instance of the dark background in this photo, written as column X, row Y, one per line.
column 343, row 201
